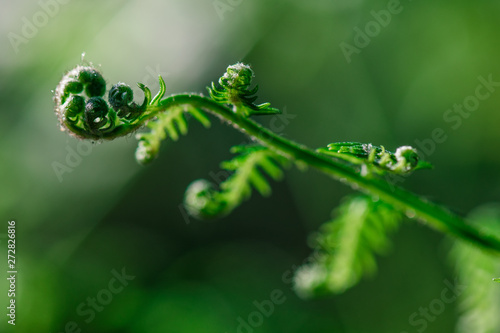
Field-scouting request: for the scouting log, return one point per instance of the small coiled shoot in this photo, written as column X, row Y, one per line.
column 376, row 159
column 235, row 90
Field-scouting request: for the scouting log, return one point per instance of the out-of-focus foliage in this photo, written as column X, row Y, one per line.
column 480, row 297
column 346, row 247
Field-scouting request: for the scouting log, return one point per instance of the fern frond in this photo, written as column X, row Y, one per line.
column 172, row 124
column 480, row 299
column 235, row 90
column 249, row 170
column 376, row 159
column 346, row 247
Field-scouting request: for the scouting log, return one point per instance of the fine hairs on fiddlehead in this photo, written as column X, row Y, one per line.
column 235, row 90
column 376, row 159
column 83, row 111
column 348, row 243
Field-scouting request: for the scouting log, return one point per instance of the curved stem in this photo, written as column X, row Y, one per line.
column 435, row 215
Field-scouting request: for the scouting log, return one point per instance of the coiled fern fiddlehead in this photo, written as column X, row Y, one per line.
column 84, row 112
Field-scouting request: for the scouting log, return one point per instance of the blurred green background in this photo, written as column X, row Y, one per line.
column 110, row 214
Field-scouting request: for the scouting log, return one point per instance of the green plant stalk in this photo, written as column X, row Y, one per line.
column 435, row 215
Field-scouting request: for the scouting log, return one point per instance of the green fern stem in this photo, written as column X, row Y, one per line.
column 83, row 111
column 435, row 215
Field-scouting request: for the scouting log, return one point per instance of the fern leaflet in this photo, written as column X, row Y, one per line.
column 346, row 247
column 172, row 124
column 249, row 169
column 480, row 300
column 376, row 159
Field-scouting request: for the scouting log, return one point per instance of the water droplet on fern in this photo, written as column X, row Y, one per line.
column 410, row 213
